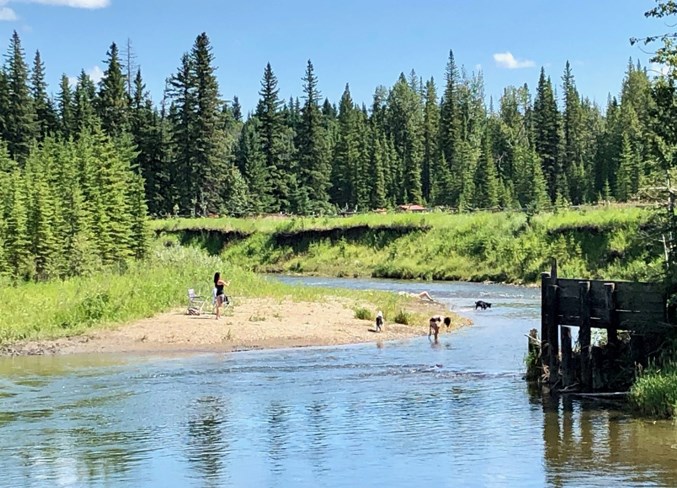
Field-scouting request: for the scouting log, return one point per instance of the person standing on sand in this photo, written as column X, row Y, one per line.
column 219, row 284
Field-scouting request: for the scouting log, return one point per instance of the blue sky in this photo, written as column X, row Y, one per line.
column 365, row 43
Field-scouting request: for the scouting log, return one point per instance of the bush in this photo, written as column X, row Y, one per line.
column 403, row 317
column 364, row 314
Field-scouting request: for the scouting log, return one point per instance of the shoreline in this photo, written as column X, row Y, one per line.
column 252, row 324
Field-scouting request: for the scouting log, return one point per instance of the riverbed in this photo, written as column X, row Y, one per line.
column 408, row 413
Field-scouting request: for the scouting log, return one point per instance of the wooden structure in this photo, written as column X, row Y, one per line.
column 587, row 304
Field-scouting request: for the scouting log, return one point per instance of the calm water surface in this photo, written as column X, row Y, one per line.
column 399, row 414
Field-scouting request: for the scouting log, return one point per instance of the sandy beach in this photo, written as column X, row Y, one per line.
column 259, row 323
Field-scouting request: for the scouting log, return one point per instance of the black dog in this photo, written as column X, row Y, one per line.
column 482, row 304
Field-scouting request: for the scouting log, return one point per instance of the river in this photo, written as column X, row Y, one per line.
column 409, row 413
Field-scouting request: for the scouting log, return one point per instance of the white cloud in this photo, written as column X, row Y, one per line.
column 507, row 60
column 90, row 4
column 95, row 73
column 7, row 14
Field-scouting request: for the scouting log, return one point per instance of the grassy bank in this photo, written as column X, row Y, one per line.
column 71, row 307
column 507, row 247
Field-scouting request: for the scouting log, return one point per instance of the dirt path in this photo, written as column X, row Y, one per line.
column 251, row 324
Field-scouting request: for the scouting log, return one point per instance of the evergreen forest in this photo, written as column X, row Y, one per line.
column 84, row 164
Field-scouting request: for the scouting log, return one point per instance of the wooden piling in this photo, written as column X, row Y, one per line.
column 612, row 316
column 584, row 334
column 545, row 311
column 553, row 336
column 567, row 359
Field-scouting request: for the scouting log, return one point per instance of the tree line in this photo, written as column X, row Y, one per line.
column 194, row 153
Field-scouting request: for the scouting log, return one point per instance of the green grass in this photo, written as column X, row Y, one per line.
column 601, row 242
column 655, row 392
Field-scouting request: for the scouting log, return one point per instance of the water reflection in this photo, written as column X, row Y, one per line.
column 278, row 434
column 404, row 414
column 599, row 445
column 207, row 446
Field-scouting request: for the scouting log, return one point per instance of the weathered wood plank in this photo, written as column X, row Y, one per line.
column 545, row 311
column 553, row 336
column 568, row 373
column 584, row 335
column 611, row 316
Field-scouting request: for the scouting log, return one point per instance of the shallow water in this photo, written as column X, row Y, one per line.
column 397, row 414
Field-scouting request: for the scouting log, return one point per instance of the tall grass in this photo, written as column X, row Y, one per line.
column 655, row 392
column 508, row 247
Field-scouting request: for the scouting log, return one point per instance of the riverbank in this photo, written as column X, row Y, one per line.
column 252, row 323
column 502, row 247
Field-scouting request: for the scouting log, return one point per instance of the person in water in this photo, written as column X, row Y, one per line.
column 221, row 298
column 434, row 325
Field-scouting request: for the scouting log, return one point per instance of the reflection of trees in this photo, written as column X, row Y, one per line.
column 207, row 444
column 278, row 434
column 585, row 443
column 87, row 454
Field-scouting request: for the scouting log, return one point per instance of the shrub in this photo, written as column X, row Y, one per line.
column 364, row 314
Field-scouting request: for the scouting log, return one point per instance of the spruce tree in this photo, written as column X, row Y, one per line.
column 346, row 154
column 252, row 165
column 486, row 181
column 431, row 146
column 209, row 154
column 45, row 113
column 274, row 175
column 547, row 136
column 312, row 150
column 113, row 101
column 86, row 119
column 20, row 117
column 66, row 109
column 406, row 126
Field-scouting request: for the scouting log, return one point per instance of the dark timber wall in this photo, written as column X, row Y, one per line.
column 612, row 305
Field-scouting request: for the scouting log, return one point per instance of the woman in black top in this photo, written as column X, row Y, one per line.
column 219, row 284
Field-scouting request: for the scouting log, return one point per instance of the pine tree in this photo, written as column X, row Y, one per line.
column 547, row 136
column 312, row 149
column 237, row 109
column 377, row 167
column 252, row 166
column 182, row 116
column 17, row 241
column 486, row 181
column 573, row 158
column 20, row 118
column 45, row 113
column 406, row 126
column 66, row 109
column 113, row 101
column 275, row 174
column 207, row 141
column 346, row 155
column 431, row 146
column 86, row 119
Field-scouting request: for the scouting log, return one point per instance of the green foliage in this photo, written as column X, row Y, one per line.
column 655, row 391
column 403, row 317
column 364, row 314
column 602, row 242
